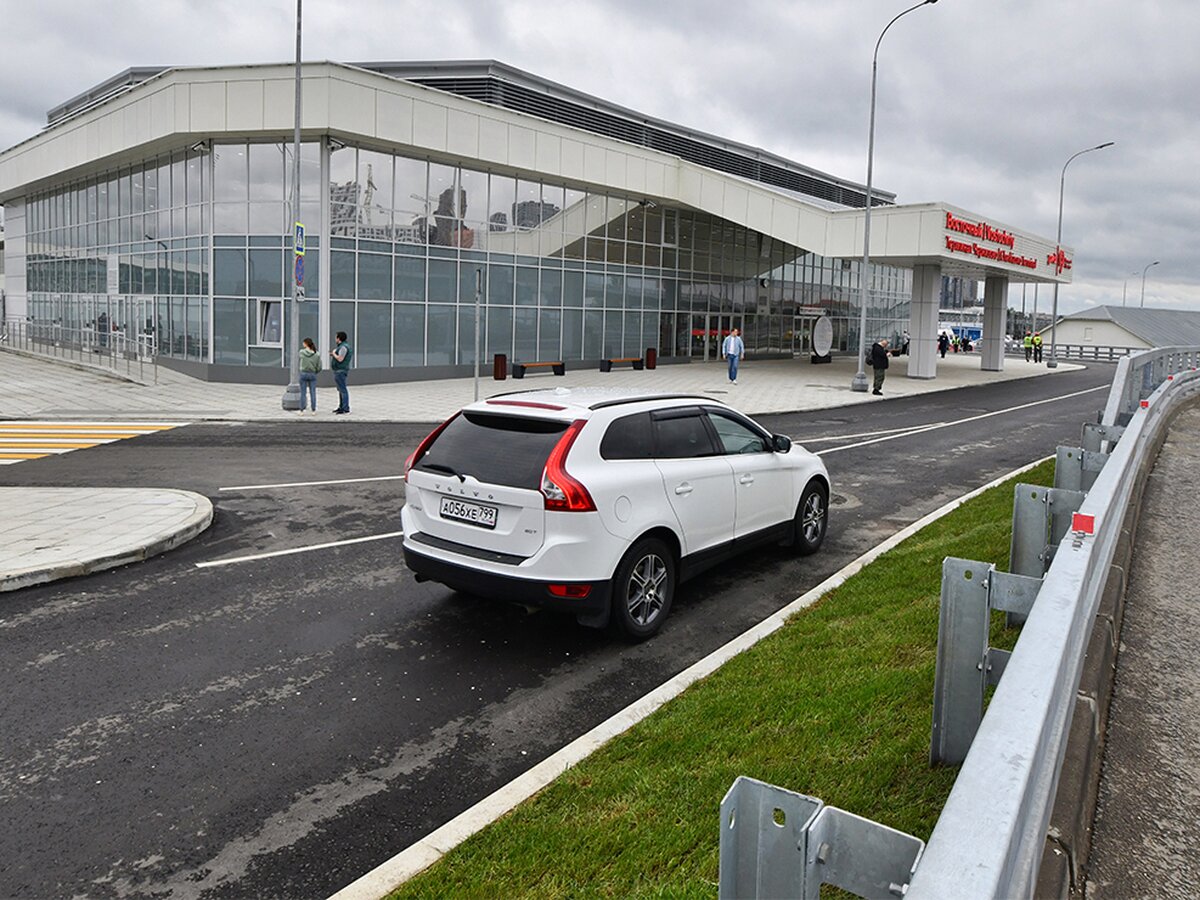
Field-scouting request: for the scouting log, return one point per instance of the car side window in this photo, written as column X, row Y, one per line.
column 681, row 437
column 628, row 438
column 735, row 437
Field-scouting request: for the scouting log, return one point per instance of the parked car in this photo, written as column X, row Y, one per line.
column 600, row 503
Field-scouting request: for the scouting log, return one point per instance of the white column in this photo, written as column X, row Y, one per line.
column 923, row 321
column 995, row 305
column 16, row 302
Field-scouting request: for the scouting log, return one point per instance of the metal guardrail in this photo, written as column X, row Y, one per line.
column 114, row 351
column 999, row 809
column 990, row 838
column 1093, row 353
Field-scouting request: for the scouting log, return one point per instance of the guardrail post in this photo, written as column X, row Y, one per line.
column 1041, row 516
column 1101, row 438
column 778, row 843
column 1076, row 469
column 966, row 665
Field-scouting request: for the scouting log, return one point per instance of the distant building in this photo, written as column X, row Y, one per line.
column 1127, row 328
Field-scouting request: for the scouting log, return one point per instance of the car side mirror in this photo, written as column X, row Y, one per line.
column 781, row 443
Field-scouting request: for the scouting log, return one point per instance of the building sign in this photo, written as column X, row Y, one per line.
column 1059, row 260
column 1004, row 240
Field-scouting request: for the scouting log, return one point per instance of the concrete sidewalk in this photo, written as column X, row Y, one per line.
column 92, row 529
column 41, row 389
column 50, row 533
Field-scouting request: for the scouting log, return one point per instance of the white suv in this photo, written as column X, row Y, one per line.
column 599, row 503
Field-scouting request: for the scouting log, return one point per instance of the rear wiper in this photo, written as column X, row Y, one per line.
column 449, row 470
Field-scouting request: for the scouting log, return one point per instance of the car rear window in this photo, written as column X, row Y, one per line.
column 507, row 450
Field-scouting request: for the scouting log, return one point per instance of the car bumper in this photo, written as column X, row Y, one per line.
column 530, row 592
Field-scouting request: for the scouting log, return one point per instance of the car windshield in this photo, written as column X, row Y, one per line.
column 507, row 450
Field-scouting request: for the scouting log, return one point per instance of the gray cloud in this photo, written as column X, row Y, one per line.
column 980, row 104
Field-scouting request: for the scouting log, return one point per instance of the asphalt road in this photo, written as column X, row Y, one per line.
column 279, row 726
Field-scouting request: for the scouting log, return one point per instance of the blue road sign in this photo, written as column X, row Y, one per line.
column 298, row 243
column 299, row 270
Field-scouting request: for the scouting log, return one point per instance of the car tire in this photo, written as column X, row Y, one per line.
column 812, row 519
column 642, row 590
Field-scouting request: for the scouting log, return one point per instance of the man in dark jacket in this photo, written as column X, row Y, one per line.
column 879, row 362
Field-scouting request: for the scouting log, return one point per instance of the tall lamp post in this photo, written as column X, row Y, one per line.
column 1144, row 271
column 1052, row 363
column 291, row 394
column 859, row 383
column 1125, row 287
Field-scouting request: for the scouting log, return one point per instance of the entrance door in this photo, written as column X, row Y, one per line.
column 709, row 331
column 802, row 329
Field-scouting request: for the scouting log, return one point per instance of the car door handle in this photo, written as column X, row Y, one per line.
column 684, row 488
column 746, row 479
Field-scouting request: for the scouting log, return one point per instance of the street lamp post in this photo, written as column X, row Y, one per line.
column 291, row 394
column 859, row 383
column 1052, row 363
column 1144, row 271
column 1125, row 287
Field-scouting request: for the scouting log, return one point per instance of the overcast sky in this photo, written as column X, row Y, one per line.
column 980, row 103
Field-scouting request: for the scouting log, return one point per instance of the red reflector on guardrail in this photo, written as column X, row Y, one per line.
column 1145, row 404
column 1083, row 524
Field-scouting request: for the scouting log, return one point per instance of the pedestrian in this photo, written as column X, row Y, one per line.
column 904, row 339
column 733, row 350
column 1028, row 344
column 943, row 343
column 1037, row 347
column 879, row 362
column 341, row 356
column 310, row 365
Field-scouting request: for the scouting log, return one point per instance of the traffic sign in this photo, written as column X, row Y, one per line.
column 299, row 270
column 298, row 243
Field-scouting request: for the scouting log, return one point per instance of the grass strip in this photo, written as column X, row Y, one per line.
column 836, row 704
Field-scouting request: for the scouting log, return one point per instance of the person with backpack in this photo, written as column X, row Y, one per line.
column 879, row 362
column 341, row 356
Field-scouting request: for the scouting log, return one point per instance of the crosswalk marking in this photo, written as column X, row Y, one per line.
column 21, row 440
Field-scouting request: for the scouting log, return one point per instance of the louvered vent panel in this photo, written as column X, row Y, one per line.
column 556, row 109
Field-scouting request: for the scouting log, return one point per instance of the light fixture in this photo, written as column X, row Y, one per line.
column 335, row 144
column 200, row 147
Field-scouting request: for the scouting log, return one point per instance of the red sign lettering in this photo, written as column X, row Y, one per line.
column 1059, row 260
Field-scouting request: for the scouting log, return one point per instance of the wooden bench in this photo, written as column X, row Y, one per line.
column 636, row 361
column 559, row 367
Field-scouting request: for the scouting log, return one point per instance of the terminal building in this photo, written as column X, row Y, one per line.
column 156, row 206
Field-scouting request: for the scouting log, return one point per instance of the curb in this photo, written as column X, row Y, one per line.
column 199, row 520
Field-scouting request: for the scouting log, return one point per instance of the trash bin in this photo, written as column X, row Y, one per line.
column 500, row 366
column 651, row 357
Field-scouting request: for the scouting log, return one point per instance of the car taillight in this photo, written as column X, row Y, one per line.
column 570, row 591
column 422, row 447
column 562, row 492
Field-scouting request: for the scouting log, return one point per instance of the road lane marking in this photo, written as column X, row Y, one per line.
column 934, row 426
column 325, row 546
column 292, row 484
column 852, row 437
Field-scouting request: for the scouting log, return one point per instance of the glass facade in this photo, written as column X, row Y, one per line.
column 192, row 252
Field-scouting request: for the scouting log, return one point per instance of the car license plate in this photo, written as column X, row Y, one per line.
column 471, row 513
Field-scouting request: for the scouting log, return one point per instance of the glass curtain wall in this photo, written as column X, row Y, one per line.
column 200, row 241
